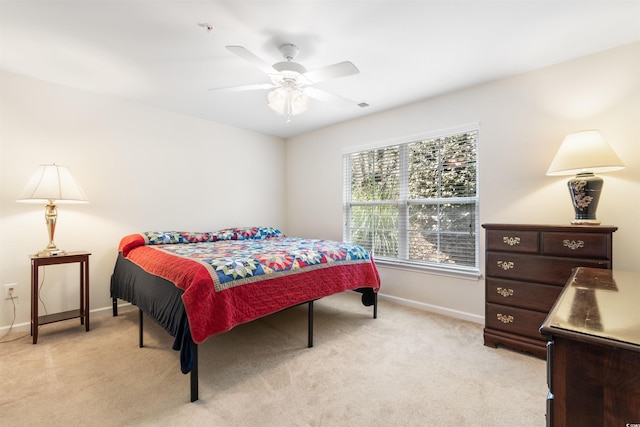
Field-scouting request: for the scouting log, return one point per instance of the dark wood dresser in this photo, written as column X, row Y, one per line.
column 526, row 268
column 594, row 351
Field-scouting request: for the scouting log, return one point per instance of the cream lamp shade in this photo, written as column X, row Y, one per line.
column 52, row 184
column 584, row 151
column 581, row 154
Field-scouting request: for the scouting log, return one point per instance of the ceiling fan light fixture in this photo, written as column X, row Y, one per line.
column 288, row 101
column 291, row 82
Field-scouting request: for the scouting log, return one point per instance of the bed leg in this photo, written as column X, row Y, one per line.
column 375, row 305
column 115, row 306
column 194, row 373
column 310, row 341
column 140, row 341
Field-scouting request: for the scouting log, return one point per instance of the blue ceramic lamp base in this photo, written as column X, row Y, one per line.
column 585, row 189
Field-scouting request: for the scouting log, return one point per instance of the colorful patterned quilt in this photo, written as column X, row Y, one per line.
column 236, row 275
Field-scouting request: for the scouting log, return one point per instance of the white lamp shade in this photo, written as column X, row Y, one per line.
column 585, row 151
column 288, row 100
column 52, row 182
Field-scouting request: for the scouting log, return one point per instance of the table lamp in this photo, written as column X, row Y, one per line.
column 583, row 153
column 52, row 184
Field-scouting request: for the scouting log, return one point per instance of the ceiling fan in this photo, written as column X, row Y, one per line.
column 292, row 83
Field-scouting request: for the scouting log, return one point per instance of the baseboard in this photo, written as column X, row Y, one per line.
column 26, row 326
column 22, row 327
column 434, row 309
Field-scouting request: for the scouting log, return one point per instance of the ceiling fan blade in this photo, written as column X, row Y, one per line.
column 341, row 69
column 257, row 86
column 250, row 57
column 331, row 98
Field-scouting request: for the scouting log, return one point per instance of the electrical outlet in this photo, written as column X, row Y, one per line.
column 10, row 290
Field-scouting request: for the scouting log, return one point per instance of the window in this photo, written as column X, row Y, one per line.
column 416, row 203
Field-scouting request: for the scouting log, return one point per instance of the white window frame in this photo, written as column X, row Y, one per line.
column 466, row 272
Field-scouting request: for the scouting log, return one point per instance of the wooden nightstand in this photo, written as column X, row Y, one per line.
column 81, row 257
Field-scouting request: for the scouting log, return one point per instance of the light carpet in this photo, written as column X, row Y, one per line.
column 405, row 368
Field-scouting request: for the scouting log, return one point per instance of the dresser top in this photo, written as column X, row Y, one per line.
column 598, row 305
column 552, row 227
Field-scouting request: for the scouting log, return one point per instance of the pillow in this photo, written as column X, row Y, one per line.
column 162, row 237
column 246, row 233
column 235, row 233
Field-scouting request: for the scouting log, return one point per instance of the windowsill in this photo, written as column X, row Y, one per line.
column 428, row 269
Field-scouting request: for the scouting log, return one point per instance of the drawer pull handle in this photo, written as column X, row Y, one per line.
column 511, row 241
column 504, row 319
column 506, row 265
column 573, row 244
column 505, row 292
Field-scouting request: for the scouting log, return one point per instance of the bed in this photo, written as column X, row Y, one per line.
column 196, row 285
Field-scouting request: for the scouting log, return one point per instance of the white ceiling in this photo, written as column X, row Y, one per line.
column 155, row 53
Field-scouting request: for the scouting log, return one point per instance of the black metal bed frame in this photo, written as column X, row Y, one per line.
column 194, row 370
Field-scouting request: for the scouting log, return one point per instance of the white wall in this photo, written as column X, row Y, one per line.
column 522, row 123
column 141, row 168
column 144, row 168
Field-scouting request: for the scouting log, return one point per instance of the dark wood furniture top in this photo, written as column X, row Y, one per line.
column 80, row 257
column 526, row 267
column 594, row 350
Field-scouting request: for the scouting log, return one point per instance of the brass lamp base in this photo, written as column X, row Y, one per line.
column 50, row 252
column 51, row 217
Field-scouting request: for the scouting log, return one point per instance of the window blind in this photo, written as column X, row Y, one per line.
column 415, row 202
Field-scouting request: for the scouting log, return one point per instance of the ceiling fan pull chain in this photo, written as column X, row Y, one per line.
column 287, row 104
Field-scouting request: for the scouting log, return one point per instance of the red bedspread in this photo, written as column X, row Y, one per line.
column 271, row 286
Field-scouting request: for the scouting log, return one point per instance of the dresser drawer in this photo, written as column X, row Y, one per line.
column 538, row 269
column 515, row 320
column 531, row 296
column 576, row 245
column 512, row 241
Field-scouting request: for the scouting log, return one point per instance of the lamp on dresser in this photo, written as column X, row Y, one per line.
column 583, row 153
column 52, row 184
